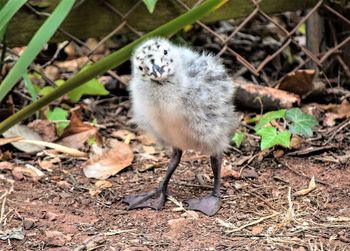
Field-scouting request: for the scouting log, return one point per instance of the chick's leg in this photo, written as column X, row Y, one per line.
column 210, row 204
column 156, row 199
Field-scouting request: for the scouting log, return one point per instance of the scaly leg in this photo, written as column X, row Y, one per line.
column 210, row 204
column 156, row 199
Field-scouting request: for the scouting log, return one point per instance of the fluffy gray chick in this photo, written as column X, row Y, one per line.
column 185, row 100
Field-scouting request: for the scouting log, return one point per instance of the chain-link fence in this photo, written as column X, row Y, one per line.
column 231, row 40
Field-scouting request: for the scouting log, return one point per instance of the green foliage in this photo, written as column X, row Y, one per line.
column 238, row 138
column 268, row 117
column 59, row 116
column 150, row 4
column 301, row 123
column 30, row 87
column 111, row 61
column 297, row 122
column 8, row 11
column 270, row 137
column 40, row 38
column 91, row 87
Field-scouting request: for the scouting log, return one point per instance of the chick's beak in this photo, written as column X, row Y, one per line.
column 157, row 70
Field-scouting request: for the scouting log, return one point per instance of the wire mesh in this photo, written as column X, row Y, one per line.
column 224, row 41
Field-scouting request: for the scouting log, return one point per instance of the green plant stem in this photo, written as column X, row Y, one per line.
column 41, row 37
column 111, row 61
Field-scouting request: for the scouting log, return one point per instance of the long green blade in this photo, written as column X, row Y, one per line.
column 112, row 61
column 40, row 38
column 9, row 10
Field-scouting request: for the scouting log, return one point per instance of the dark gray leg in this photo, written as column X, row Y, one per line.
column 210, row 204
column 156, row 199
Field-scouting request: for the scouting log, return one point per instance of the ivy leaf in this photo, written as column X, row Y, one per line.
column 150, row 4
column 92, row 87
column 270, row 137
column 302, row 123
column 269, row 116
column 46, row 90
column 59, row 116
column 238, row 138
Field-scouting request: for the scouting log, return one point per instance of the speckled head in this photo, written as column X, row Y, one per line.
column 154, row 60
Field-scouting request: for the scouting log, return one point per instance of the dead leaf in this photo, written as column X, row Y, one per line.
column 305, row 191
column 102, row 184
column 146, row 140
column 19, row 172
column 72, row 65
column 296, row 142
column 299, row 82
column 14, row 233
column 278, row 154
column 78, row 132
column 4, row 165
column 45, row 128
column 118, row 157
column 49, row 164
column 25, row 133
column 52, row 72
column 335, row 111
column 228, row 171
column 124, row 135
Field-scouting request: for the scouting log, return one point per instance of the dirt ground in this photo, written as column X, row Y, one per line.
column 257, row 213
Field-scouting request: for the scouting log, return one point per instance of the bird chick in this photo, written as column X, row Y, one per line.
column 185, row 100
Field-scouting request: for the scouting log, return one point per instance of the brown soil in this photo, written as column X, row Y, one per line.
column 58, row 212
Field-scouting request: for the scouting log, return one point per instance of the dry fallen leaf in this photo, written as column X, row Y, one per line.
column 335, row 111
column 124, row 135
column 102, row 184
column 305, row 191
column 111, row 162
column 4, row 165
column 25, row 133
column 45, row 128
column 228, row 171
column 49, row 164
column 299, row 82
column 19, row 172
column 146, row 140
column 77, row 133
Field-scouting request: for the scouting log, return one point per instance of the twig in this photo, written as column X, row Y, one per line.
column 254, row 222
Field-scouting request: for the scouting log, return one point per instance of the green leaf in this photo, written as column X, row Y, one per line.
column 238, row 138
column 302, row 29
column 8, row 11
column 30, row 87
column 267, row 117
column 302, row 123
column 59, row 116
column 46, row 90
column 92, row 87
column 113, row 60
column 40, row 38
column 150, row 4
column 270, row 137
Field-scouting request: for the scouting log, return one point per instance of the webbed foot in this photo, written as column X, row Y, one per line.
column 155, row 200
column 208, row 205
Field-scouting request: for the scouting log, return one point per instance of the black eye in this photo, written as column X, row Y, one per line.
column 140, row 68
column 165, row 52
